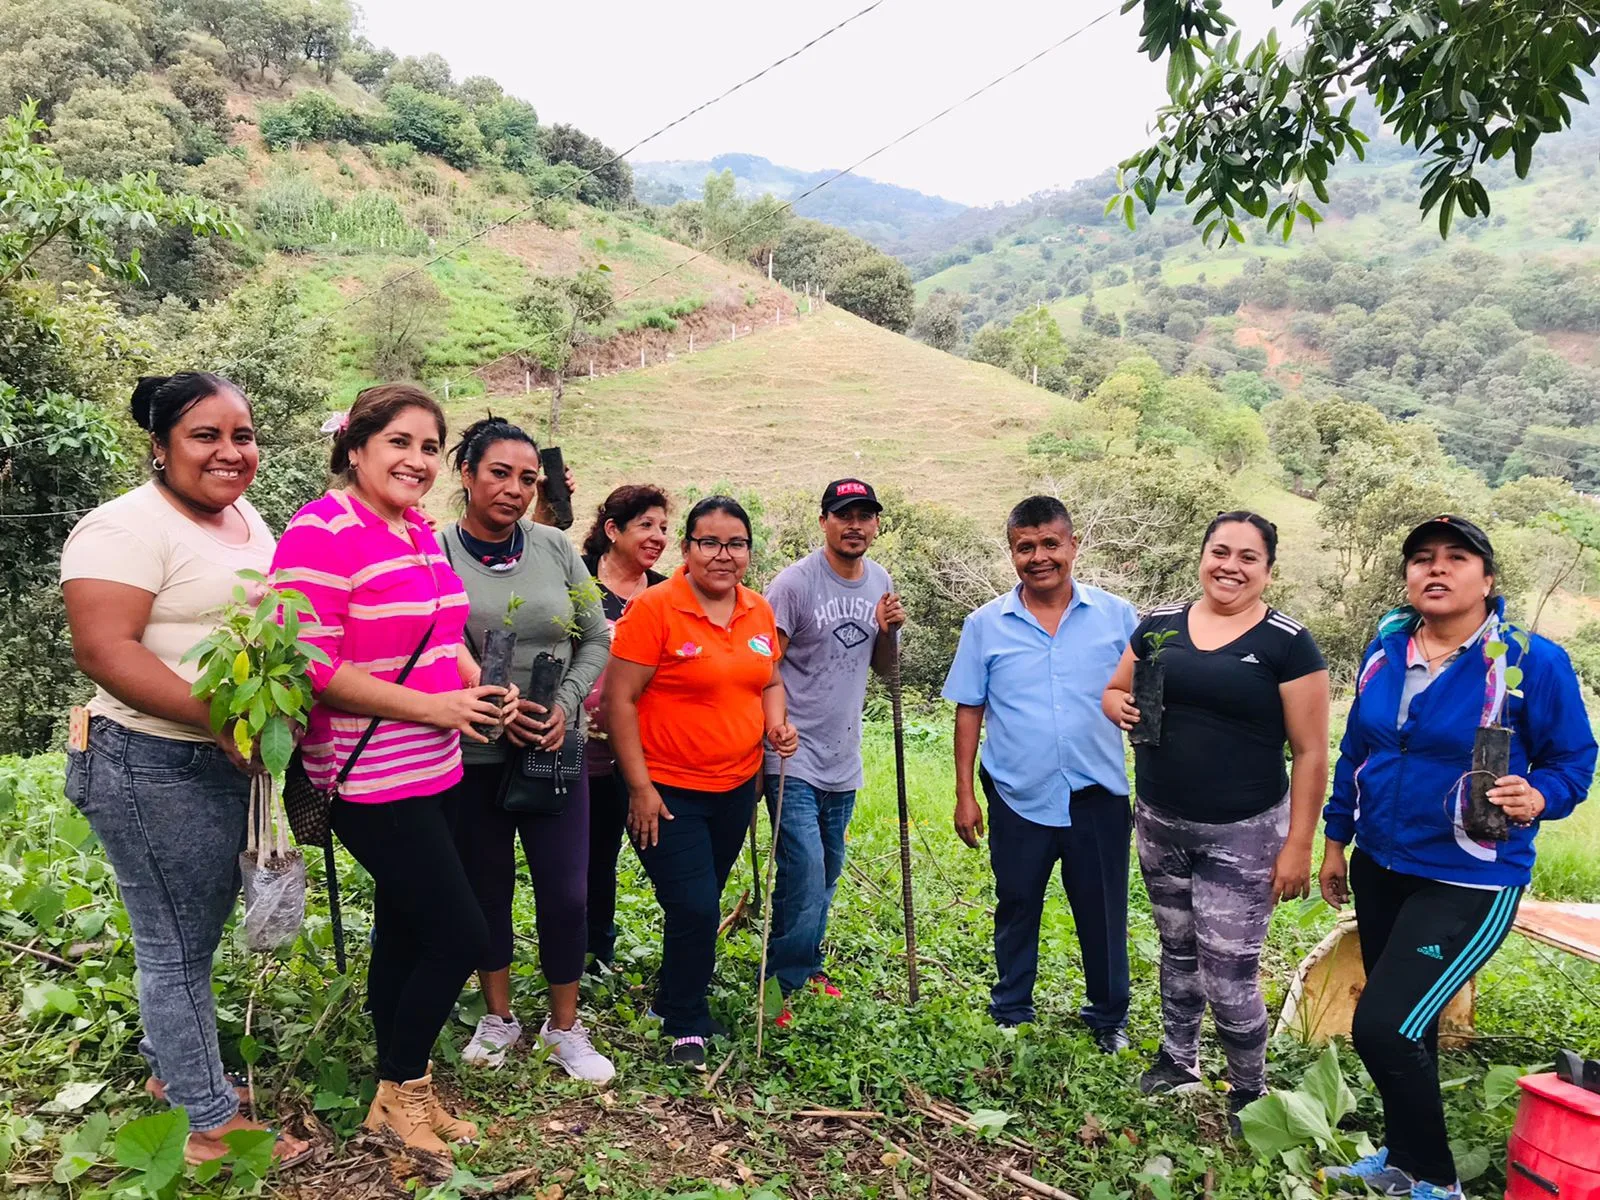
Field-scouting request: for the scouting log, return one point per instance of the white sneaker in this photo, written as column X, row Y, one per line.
column 575, row 1054
column 492, row 1041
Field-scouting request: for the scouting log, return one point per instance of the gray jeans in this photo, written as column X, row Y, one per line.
column 171, row 816
column 1211, row 895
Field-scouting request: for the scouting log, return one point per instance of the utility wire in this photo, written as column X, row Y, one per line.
column 612, row 161
column 836, row 176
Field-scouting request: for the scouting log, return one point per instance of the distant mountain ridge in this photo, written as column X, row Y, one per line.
column 884, row 213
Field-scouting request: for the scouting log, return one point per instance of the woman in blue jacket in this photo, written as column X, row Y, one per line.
column 1432, row 903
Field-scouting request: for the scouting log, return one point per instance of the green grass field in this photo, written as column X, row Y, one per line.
column 658, row 1133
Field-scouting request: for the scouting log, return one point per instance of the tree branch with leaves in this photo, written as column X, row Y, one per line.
column 1257, row 132
column 41, row 206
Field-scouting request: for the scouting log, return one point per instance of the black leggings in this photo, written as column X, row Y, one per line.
column 554, row 846
column 1420, row 942
column 608, row 816
column 428, row 931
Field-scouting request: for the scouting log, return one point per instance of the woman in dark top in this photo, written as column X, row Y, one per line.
column 1222, row 831
column 626, row 540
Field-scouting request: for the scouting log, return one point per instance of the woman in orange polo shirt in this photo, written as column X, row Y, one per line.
column 692, row 688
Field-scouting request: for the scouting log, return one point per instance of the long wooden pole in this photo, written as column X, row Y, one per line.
column 905, row 830
column 766, row 925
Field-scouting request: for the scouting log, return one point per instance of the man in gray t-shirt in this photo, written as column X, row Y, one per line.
column 837, row 616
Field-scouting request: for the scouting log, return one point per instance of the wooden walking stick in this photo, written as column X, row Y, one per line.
column 905, row 829
column 766, row 925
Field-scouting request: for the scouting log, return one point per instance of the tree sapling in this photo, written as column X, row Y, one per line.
column 499, row 645
column 1149, row 681
column 1481, row 818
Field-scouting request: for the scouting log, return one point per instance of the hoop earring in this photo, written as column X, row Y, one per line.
column 157, row 465
column 468, row 491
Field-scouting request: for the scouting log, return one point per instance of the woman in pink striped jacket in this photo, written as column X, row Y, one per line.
column 371, row 567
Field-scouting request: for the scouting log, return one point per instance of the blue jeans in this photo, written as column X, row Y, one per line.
column 1092, row 854
column 810, row 851
column 689, row 866
column 171, row 816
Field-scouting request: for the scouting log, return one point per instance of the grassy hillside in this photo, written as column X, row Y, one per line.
column 797, row 405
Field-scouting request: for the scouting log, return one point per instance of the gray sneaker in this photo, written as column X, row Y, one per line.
column 1373, row 1172
column 491, row 1041
column 575, row 1054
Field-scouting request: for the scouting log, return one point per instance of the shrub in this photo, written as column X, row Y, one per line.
column 202, row 91
column 879, row 289
column 396, row 155
column 434, row 124
column 400, row 321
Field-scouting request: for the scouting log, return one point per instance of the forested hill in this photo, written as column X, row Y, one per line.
column 1492, row 336
column 888, row 216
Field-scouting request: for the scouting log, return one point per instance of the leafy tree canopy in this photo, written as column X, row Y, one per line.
column 1256, row 131
column 40, row 206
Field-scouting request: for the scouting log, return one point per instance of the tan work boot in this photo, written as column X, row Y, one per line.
column 450, row 1128
column 407, row 1110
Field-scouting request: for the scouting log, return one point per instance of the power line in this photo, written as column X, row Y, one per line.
column 860, row 162
column 612, row 161
column 35, row 516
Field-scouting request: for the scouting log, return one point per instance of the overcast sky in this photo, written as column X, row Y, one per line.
column 620, row 69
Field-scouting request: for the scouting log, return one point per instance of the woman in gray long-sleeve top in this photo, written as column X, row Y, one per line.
column 497, row 552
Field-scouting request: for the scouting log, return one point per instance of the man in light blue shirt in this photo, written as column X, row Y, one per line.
column 1033, row 663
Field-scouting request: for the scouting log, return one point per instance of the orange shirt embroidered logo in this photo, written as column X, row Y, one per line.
column 688, row 650
column 762, row 645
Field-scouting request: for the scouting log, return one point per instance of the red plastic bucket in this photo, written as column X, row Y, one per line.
column 1554, row 1152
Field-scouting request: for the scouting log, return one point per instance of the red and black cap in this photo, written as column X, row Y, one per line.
column 1459, row 530
column 842, row 493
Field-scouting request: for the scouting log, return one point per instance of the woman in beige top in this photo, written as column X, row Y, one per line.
column 144, row 576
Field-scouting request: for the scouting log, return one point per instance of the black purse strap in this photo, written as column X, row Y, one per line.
column 372, row 726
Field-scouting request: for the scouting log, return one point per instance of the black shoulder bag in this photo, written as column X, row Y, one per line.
column 308, row 807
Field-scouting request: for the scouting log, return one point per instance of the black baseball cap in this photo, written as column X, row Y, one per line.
column 1462, row 531
column 842, row 493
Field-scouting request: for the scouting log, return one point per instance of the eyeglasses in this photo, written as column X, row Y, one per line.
column 712, row 547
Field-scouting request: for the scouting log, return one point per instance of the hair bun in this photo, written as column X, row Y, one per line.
column 144, row 394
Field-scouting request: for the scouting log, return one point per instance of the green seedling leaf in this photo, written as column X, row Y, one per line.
column 1500, row 1085
column 1325, row 1083
column 277, row 744
column 1471, row 1161
column 772, row 998
column 81, row 1148
column 242, row 739
column 249, row 1050
column 241, row 666
column 1495, row 649
column 990, row 1121
column 1267, row 1127
column 249, row 1152
column 154, row 1145
column 49, row 999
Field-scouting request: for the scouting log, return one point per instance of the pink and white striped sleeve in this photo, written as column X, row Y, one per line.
column 310, row 559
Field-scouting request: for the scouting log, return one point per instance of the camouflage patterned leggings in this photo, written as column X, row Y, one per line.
column 1210, row 889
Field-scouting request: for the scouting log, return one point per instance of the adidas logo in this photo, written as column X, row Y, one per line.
column 1430, row 951
column 1251, row 658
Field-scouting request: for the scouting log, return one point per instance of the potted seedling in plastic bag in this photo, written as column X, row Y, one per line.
column 1481, row 818
column 1149, row 682
column 499, row 646
column 254, row 670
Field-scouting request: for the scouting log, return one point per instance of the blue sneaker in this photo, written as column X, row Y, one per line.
column 1422, row 1190
column 1375, row 1172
